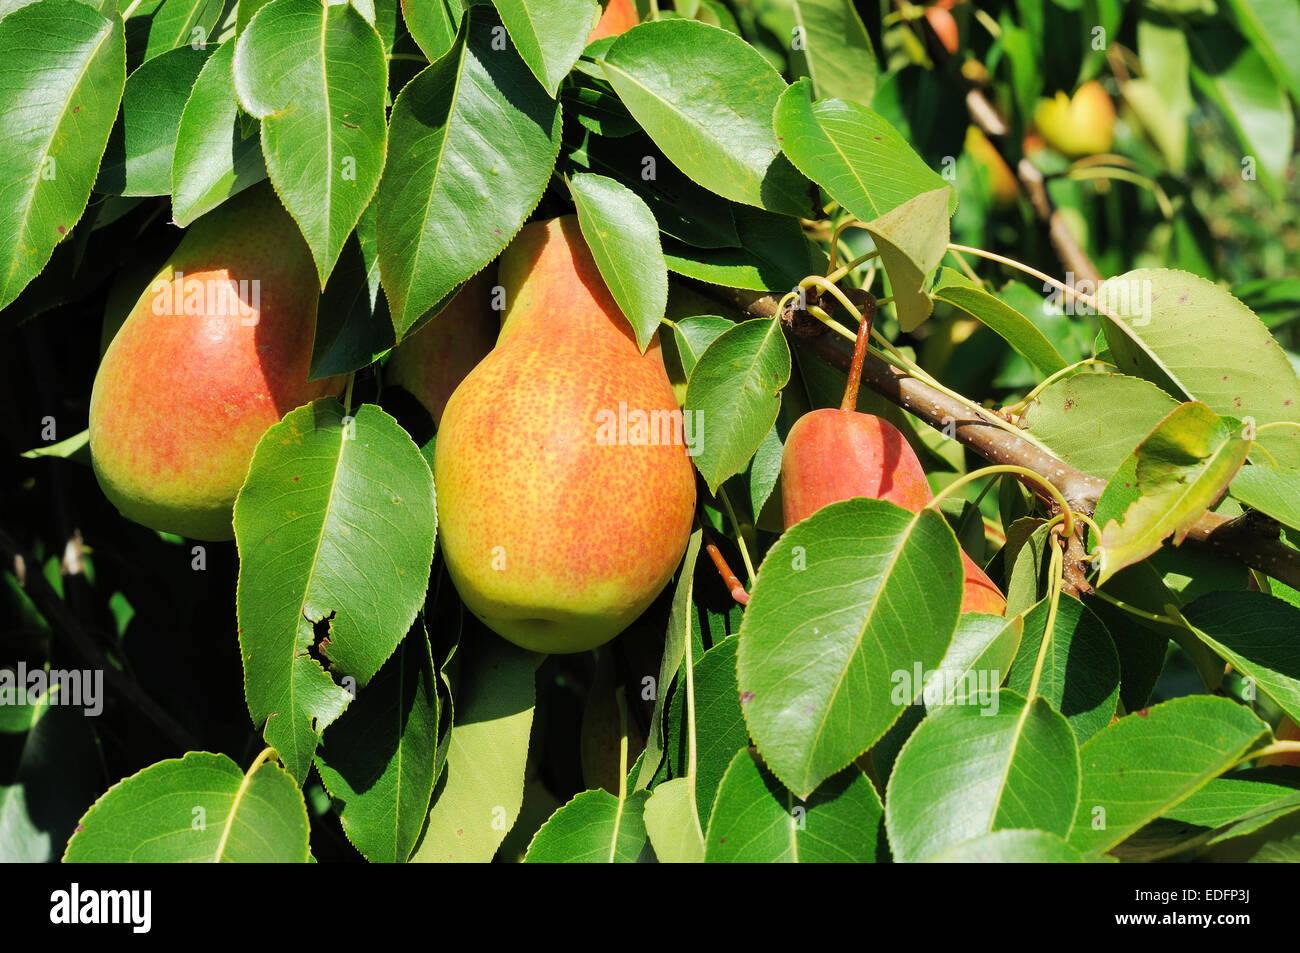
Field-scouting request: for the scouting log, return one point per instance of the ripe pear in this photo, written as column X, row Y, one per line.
column 215, row 351
column 433, row 361
column 833, row 454
column 565, row 493
column 619, row 16
column 1079, row 126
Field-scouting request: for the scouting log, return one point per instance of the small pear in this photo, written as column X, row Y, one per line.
column 565, row 493
column 835, row 454
column 1079, row 126
column 215, row 351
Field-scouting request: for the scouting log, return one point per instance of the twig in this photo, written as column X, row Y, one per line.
column 1250, row 540
column 729, row 578
column 66, row 626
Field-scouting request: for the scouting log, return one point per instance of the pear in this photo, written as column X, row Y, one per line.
column 433, row 361
column 835, row 454
column 215, row 351
column 1003, row 187
column 619, row 16
column 1081, row 125
column 565, row 493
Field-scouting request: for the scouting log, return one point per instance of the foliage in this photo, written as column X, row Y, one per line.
column 745, row 173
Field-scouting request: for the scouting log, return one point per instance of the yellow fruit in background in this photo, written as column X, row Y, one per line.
column 1079, row 126
column 1002, row 182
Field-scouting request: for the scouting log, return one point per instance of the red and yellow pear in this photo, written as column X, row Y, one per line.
column 835, row 454
column 215, row 351
column 565, row 493
column 619, row 16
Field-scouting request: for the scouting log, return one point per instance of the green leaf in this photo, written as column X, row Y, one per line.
column 433, row 24
column 197, row 808
column 719, row 723
column 1181, row 469
column 478, row 803
column 848, row 601
column 64, row 449
column 52, row 771
column 837, row 51
column 1236, row 77
column 63, row 67
column 138, row 160
column 1162, row 98
column 334, row 522
column 672, row 823
column 1094, row 422
column 594, row 828
column 1273, row 28
column 972, row 769
column 756, row 820
column 624, row 240
column 1239, row 805
column 1175, row 329
column 474, row 140
column 244, row 13
column 353, row 327
column 854, row 154
column 1256, row 634
column 549, row 34
column 735, row 394
column 1080, row 676
column 377, row 761
column 706, row 98
column 680, row 622
column 683, row 209
column 864, row 164
column 694, row 335
column 181, row 24
column 765, row 470
column 1274, row 491
column 774, row 254
column 1011, row 847
column 213, row 160
column 994, row 313
column 978, row 659
column 323, row 129
column 1145, row 764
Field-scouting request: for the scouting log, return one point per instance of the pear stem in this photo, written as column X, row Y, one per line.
column 850, row 401
column 347, row 394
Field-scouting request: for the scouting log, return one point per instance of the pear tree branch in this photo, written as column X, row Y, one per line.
column 1252, row 540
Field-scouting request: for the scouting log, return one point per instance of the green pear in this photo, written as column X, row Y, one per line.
column 215, row 351
column 565, row 492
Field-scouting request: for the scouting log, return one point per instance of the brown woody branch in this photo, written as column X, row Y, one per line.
column 1251, row 540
